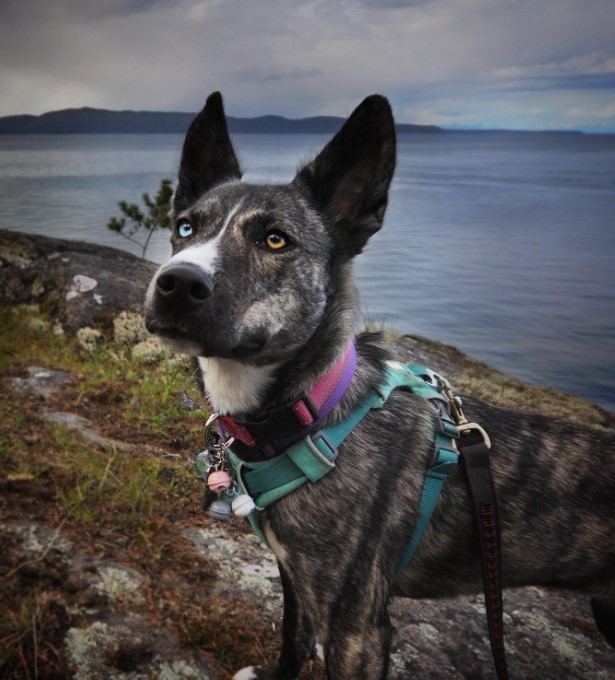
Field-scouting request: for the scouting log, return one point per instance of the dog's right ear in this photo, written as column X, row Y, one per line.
column 208, row 157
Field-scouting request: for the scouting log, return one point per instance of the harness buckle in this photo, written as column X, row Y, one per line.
column 322, row 447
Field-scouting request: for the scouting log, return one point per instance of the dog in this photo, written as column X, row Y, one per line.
column 259, row 291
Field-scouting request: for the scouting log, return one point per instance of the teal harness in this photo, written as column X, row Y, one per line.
column 313, row 457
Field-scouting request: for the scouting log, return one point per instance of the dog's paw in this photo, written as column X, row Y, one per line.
column 248, row 673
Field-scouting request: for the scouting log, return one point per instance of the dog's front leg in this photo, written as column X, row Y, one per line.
column 297, row 632
column 604, row 613
column 359, row 650
column 297, row 641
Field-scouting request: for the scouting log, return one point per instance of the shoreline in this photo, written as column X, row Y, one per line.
column 42, row 270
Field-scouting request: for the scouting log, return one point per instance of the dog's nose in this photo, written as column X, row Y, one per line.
column 185, row 284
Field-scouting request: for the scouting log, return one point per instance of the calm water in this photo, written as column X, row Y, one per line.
column 503, row 245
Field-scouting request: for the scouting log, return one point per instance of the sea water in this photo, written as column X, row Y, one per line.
column 502, row 244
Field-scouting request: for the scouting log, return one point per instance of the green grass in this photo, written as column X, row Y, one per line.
column 93, row 482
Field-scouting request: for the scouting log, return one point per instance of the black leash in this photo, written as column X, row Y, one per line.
column 473, row 446
column 474, row 461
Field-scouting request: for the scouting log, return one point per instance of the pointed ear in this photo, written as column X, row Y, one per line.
column 349, row 180
column 208, row 157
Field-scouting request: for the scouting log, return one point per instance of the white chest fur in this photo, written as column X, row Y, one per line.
column 233, row 387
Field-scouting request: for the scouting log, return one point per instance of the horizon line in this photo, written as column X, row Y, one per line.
column 453, row 128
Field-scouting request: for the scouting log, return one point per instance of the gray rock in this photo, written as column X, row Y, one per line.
column 109, row 636
column 550, row 634
column 41, row 381
column 76, row 283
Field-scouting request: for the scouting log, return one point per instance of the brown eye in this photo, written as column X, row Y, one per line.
column 276, row 240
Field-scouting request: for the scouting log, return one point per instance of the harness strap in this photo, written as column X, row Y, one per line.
column 445, row 461
column 474, row 461
column 314, row 456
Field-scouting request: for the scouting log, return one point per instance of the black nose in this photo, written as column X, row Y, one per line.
column 184, row 284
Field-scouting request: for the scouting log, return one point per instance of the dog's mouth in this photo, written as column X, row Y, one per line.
column 182, row 342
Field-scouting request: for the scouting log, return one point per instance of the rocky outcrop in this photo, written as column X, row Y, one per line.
column 77, row 284
column 111, row 636
column 96, row 610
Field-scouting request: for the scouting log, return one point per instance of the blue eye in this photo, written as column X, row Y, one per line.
column 184, row 229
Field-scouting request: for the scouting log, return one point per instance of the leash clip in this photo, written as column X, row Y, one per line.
column 454, row 403
column 469, row 429
column 466, row 428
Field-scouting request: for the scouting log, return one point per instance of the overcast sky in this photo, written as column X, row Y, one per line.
column 458, row 63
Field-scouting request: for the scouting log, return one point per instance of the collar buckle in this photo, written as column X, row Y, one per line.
column 305, row 411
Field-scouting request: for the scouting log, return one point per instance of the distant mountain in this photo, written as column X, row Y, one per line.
column 103, row 121
column 87, row 120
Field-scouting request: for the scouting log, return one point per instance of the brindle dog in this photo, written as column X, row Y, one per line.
column 260, row 290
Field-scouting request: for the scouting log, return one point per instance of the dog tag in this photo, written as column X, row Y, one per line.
column 218, row 480
column 220, row 510
column 243, row 505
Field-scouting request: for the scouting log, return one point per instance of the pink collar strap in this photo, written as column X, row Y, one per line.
column 283, row 426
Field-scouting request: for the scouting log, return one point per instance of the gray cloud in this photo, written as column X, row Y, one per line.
column 453, row 62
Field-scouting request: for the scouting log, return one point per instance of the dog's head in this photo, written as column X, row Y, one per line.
column 255, row 267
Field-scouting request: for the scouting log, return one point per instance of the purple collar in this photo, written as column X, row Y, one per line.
column 288, row 424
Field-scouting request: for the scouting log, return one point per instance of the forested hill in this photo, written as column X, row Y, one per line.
column 102, row 121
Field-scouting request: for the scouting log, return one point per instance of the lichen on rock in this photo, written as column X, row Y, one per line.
column 148, row 351
column 89, row 338
column 129, row 329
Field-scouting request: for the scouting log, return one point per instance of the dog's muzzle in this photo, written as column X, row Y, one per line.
column 181, row 309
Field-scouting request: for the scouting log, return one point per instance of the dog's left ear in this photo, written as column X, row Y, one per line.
column 208, row 157
column 349, row 180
